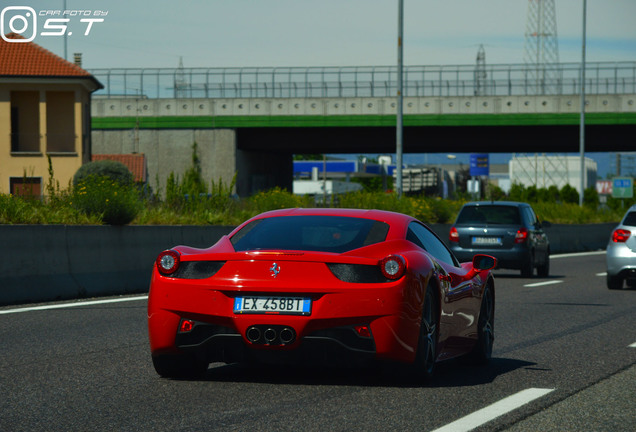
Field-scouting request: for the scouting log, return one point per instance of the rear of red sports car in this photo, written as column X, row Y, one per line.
column 287, row 287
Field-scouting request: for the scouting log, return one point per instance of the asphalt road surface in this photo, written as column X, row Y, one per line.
column 564, row 359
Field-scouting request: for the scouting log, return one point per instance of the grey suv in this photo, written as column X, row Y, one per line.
column 621, row 252
column 509, row 231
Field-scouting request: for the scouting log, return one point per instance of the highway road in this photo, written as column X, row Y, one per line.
column 564, row 359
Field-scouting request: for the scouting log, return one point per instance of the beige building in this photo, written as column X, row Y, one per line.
column 44, row 111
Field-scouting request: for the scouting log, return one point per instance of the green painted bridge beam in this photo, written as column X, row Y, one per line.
column 298, row 121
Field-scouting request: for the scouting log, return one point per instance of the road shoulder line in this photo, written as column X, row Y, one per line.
column 495, row 410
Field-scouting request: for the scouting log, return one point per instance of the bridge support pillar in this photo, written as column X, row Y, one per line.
column 170, row 150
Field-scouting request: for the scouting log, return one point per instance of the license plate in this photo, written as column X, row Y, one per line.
column 486, row 240
column 272, row 305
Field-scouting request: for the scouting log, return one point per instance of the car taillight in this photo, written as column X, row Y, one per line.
column 168, row 262
column 393, row 267
column 620, row 235
column 521, row 236
column 453, row 235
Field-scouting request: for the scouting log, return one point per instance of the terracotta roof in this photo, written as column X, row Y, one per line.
column 136, row 163
column 27, row 59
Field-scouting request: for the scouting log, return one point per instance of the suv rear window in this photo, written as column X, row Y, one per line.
column 336, row 234
column 489, row 215
column 630, row 219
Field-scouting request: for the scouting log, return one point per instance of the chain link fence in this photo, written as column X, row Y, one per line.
column 364, row 81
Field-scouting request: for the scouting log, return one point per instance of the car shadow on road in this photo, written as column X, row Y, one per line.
column 533, row 278
column 453, row 373
column 457, row 374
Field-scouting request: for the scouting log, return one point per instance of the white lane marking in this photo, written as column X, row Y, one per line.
column 632, row 345
column 601, row 274
column 543, row 283
column 495, row 410
column 69, row 305
column 577, row 254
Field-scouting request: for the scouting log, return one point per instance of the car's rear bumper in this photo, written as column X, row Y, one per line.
column 222, row 335
column 621, row 261
column 340, row 345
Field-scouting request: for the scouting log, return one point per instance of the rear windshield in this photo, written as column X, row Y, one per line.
column 630, row 219
column 489, row 215
column 310, row 233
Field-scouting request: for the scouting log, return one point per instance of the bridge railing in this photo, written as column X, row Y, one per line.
column 366, row 81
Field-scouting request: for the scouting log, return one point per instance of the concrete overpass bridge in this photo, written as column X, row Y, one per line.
column 251, row 120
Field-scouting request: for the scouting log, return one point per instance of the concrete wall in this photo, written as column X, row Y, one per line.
column 170, row 150
column 56, row 262
column 132, row 106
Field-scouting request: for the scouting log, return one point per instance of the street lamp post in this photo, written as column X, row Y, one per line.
column 582, row 122
column 399, row 137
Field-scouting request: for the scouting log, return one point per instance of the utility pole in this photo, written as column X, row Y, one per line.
column 65, row 36
column 399, row 137
column 582, row 122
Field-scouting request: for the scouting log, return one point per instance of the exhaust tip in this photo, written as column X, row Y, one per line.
column 270, row 335
column 287, row 335
column 253, row 334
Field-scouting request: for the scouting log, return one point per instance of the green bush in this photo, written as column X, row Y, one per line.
column 494, row 193
column 277, row 198
column 569, row 195
column 380, row 201
column 114, row 203
column 16, row 210
column 590, row 198
column 193, row 184
column 517, row 193
column 115, row 171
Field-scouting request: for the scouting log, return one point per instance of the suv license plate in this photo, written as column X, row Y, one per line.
column 486, row 240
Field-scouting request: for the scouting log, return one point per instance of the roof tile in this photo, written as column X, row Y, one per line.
column 136, row 163
column 30, row 59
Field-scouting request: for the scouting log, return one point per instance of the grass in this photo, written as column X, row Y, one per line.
column 216, row 210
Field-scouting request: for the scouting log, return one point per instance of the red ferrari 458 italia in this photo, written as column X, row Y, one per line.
column 320, row 285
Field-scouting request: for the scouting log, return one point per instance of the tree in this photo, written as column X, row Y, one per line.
column 569, row 194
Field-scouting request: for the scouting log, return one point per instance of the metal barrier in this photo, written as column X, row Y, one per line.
column 364, row 81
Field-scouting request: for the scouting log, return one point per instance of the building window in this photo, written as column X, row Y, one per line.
column 25, row 121
column 26, row 187
column 60, row 122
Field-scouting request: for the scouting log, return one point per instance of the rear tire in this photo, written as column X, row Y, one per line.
column 179, row 366
column 614, row 282
column 482, row 352
column 527, row 267
column 544, row 269
column 427, row 344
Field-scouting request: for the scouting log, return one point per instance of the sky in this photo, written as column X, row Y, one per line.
column 251, row 33
column 235, row 33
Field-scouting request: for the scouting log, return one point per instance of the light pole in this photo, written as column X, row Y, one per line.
column 582, row 122
column 65, row 35
column 399, row 138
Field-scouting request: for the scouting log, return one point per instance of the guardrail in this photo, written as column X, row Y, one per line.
column 366, row 81
column 58, row 262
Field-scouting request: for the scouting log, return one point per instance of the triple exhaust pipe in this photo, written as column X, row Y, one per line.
column 270, row 335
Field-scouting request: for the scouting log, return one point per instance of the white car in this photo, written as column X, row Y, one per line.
column 621, row 253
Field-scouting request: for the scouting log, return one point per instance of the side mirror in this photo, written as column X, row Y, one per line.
column 484, row 262
column 546, row 224
column 480, row 263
